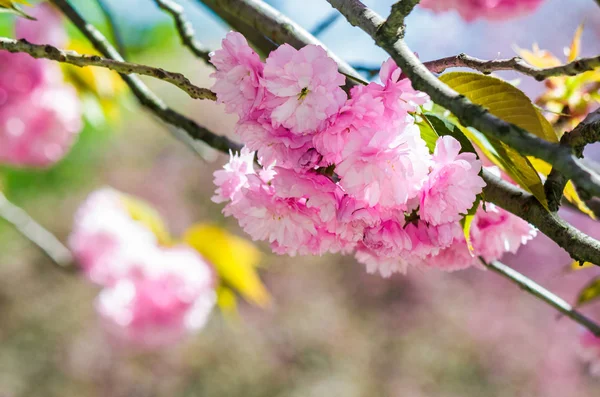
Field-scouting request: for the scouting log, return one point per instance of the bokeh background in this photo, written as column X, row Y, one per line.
column 333, row 330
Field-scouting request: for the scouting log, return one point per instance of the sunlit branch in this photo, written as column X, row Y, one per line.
column 518, row 64
column 73, row 58
column 36, row 233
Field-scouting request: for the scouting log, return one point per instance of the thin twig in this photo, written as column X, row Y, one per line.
column 185, row 29
column 146, row 97
column 540, row 292
column 517, row 63
column 114, row 29
column 468, row 113
column 36, row 233
column 73, row 58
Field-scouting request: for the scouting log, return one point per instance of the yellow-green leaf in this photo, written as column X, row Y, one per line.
column 234, row 258
column 226, row 300
column 573, row 197
column 569, row 192
column 576, row 265
column 510, row 104
column 590, row 292
column 575, row 46
column 12, row 7
column 503, row 100
column 143, row 212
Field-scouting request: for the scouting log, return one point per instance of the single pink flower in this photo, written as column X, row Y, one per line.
column 303, row 88
column 385, row 173
column 317, row 191
column 496, row 231
column 233, row 176
column 238, row 74
column 288, row 222
column 274, row 145
column 485, row 9
column 453, row 183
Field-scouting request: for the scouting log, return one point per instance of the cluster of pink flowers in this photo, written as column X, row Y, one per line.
column 348, row 174
column 152, row 295
column 40, row 115
column 485, row 9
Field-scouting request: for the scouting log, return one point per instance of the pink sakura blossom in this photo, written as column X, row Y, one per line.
column 354, row 175
column 485, row 9
column 383, row 173
column 238, row 75
column 274, row 145
column 173, row 299
column 303, row 88
column 152, row 295
column 496, row 231
column 232, row 177
column 286, row 222
column 40, row 116
column 453, row 183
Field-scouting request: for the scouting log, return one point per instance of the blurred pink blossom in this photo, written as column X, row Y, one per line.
column 486, row 9
column 152, row 295
column 40, row 116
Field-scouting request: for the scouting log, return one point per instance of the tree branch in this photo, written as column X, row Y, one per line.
column 579, row 245
column 587, row 132
column 185, row 29
column 516, row 63
column 467, row 112
column 274, row 25
column 35, row 233
column 540, row 292
column 73, row 58
column 145, row 96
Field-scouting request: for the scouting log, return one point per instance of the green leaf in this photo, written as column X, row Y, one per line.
column 510, row 104
column 590, row 292
column 234, row 258
column 467, row 221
